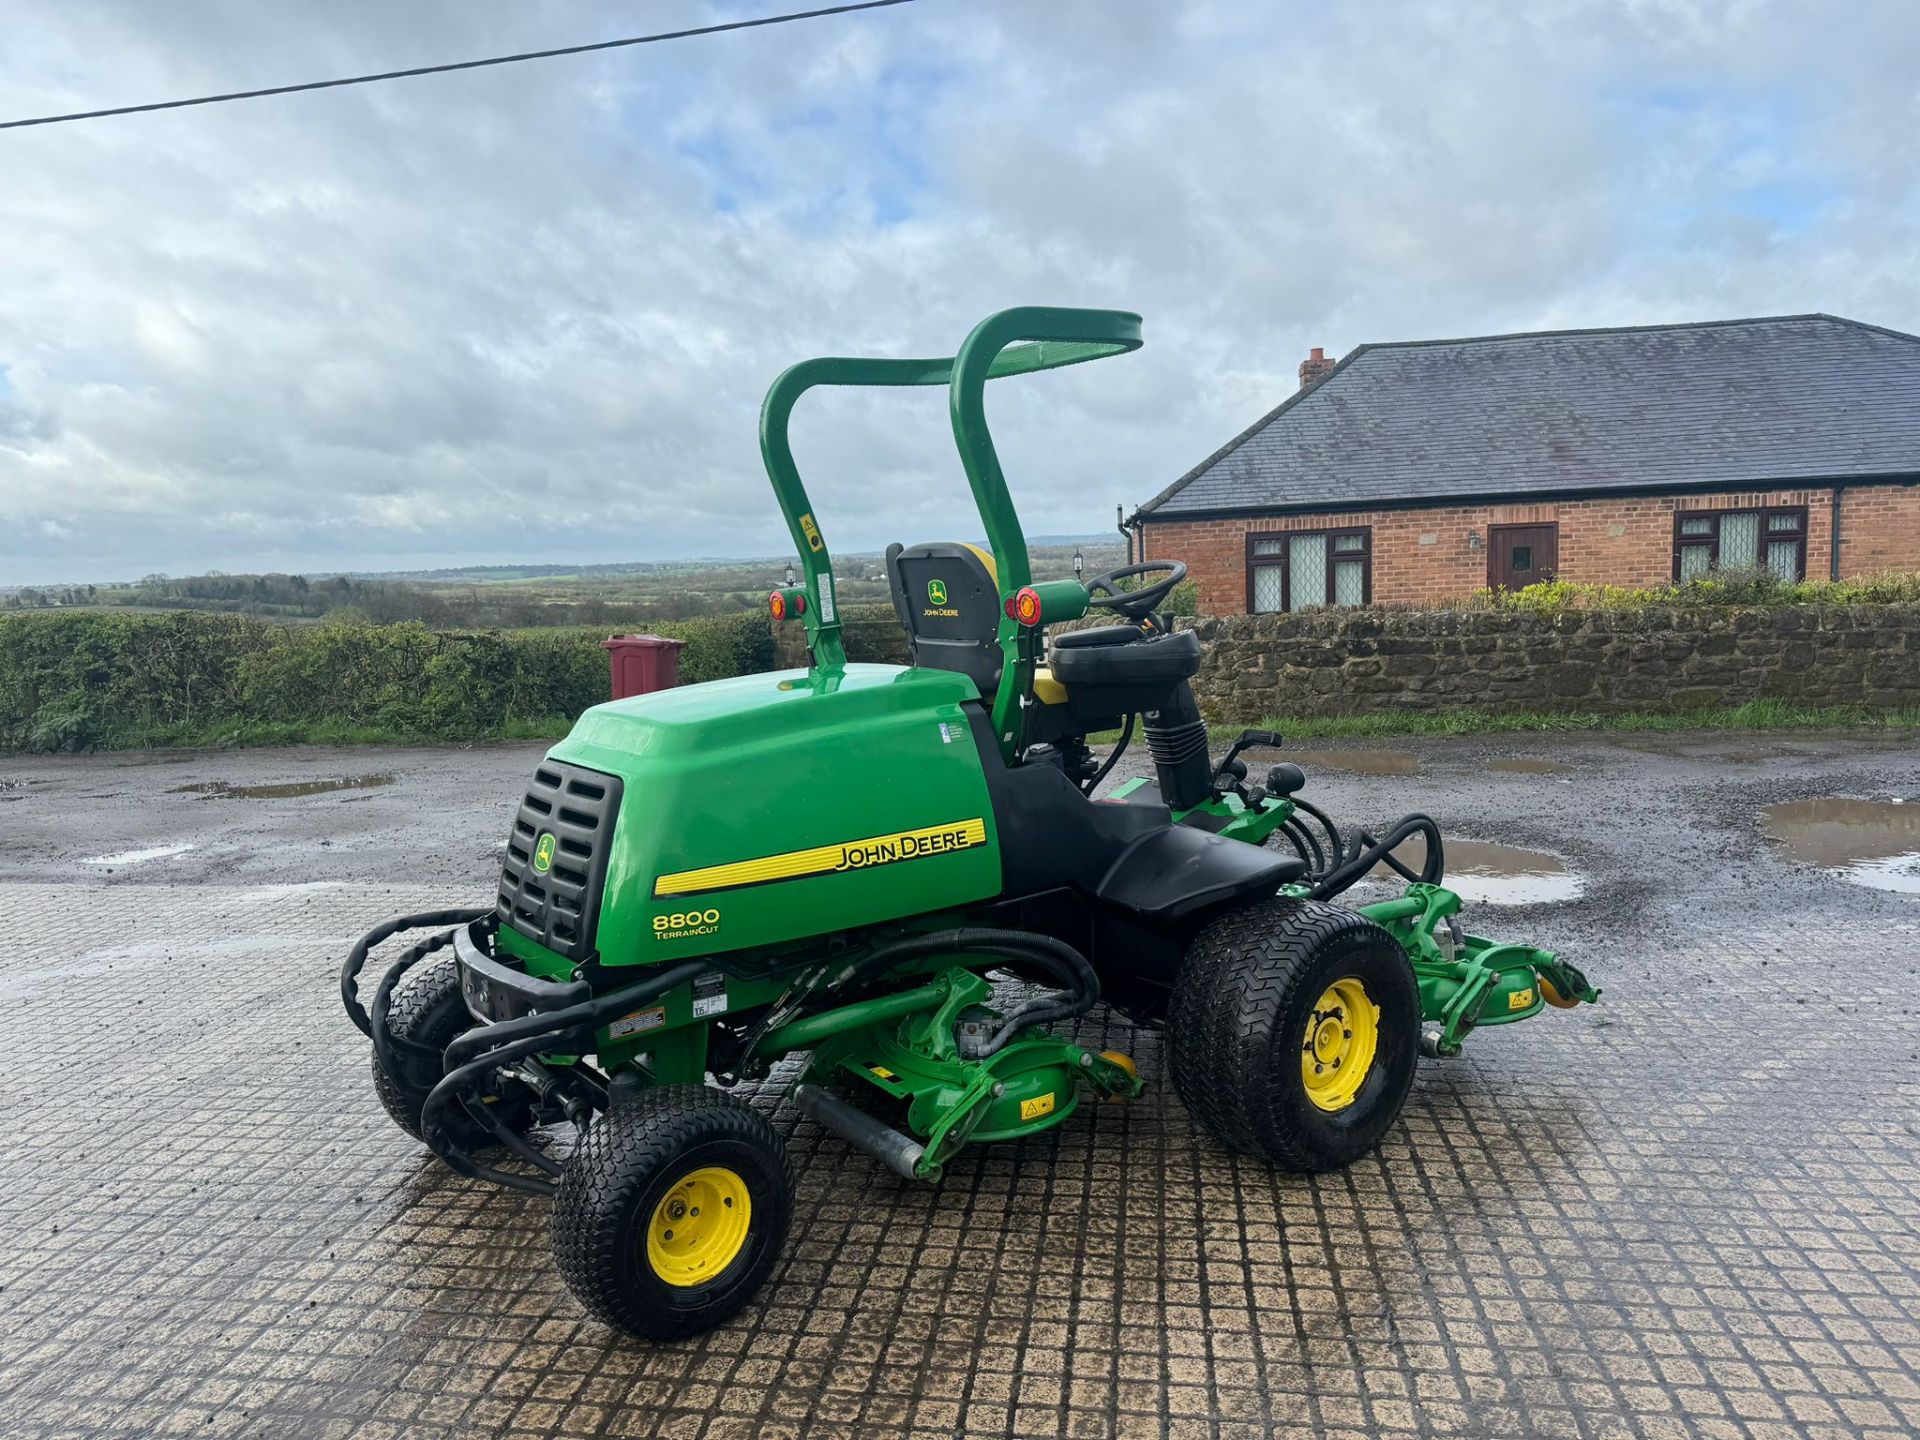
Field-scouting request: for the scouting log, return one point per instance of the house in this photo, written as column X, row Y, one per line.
column 1420, row 471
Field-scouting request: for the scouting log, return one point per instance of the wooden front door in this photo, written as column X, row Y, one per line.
column 1521, row 555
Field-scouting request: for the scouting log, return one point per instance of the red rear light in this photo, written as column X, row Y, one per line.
column 1026, row 605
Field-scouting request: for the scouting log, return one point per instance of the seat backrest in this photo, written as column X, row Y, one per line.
column 947, row 595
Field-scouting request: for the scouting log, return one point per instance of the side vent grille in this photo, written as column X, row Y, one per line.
column 555, row 899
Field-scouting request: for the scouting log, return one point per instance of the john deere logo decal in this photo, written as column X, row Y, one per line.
column 936, row 592
column 543, row 853
column 864, row 854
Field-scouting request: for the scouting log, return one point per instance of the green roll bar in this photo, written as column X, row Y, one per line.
column 1012, row 342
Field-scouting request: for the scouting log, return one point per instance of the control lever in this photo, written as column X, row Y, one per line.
column 1232, row 765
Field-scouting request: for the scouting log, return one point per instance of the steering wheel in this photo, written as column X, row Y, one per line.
column 1105, row 593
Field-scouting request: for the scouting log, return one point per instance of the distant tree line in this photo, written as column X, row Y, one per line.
column 49, row 597
column 617, row 597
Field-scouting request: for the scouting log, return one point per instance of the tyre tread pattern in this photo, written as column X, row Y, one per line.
column 1240, row 976
column 624, row 1152
column 426, row 1007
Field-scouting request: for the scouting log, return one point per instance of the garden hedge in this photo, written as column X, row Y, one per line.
column 84, row 679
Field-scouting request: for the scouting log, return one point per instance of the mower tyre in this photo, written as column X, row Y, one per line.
column 672, row 1210
column 1293, row 1032
column 427, row 1007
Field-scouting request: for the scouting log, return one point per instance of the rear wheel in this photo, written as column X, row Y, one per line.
column 1293, row 1032
column 672, row 1211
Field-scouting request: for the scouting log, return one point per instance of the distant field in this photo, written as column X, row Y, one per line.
column 518, row 596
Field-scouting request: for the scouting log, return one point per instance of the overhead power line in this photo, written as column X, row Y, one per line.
column 515, row 59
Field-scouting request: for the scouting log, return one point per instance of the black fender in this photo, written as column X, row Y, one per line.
column 1182, row 872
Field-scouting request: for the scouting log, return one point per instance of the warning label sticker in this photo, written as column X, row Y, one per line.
column 638, row 1022
column 710, row 994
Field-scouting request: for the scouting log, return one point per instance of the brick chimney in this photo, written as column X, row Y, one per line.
column 1316, row 367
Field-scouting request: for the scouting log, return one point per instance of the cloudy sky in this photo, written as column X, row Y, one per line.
column 528, row 313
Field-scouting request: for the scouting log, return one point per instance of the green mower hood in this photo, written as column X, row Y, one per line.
column 771, row 808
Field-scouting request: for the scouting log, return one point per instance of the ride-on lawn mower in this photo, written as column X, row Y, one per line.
column 904, row 874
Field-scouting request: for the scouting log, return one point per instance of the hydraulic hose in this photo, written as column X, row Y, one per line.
column 1306, row 847
column 1370, row 852
column 1083, row 990
column 357, row 957
column 588, row 1015
column 1058, row 958
column 385, row 1043
column 1336, row 847
column 450, row 1087
column 1119, row 749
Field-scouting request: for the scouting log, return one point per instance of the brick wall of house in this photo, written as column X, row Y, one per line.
column 1879, row 528
column 1424, row 555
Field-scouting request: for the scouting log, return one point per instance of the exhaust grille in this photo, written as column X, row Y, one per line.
column 556, row 862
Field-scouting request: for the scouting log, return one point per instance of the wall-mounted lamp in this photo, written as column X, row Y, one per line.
column 1473, row 540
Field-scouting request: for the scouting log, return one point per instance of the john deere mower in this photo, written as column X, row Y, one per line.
column 899, row 885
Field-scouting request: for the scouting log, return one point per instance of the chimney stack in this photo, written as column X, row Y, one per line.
column 1315, row 367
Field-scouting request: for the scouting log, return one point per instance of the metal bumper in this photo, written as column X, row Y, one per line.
column 496, row 990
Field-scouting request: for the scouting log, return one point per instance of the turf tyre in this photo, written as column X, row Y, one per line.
column 1241, row 1005
column 619, row 1173
column 427, row 1007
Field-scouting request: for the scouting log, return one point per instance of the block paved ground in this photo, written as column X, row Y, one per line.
column 1691, row 1211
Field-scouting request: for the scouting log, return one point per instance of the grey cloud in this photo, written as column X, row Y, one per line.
column 498, row 315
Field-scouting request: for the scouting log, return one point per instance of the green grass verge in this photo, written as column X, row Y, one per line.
column 1754, row 715
column 1384, row 724
column 314, row 732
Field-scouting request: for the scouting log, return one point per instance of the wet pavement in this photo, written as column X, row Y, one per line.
column 1693, row 1210
column 1870, row 842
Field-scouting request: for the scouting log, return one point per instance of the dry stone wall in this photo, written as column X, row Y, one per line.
column 1352, row 662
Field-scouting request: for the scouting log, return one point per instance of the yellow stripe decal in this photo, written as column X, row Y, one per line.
column 828, row 859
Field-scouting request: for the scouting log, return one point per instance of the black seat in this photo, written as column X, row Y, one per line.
column 1098, row 635
column 1109, row 678
column 947, row 595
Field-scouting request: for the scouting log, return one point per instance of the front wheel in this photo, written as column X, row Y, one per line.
column 671, row 1211
column 428, row 1009
column 1293, row 1032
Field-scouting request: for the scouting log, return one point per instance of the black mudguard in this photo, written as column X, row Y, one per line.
column 1182, row 871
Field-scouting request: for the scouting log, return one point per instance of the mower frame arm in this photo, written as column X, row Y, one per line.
column 1013, row 342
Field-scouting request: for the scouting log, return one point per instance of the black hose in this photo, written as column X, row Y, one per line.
column 450, row 1087
column 1119, row 749
column 1305, row 846
column 1369, row 852
column 480, row 1050
column 588, row 1015
column 1083, row 987
column 1055, row 956
column 357, row 957
column 1336, row 846
column 385, row 1042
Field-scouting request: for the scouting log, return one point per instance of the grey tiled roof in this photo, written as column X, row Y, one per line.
column 1798, row 397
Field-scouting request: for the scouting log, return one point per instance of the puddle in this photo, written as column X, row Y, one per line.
column 137, row 857
column 1528, row 765
column 1359, row 762
column 1483, row 873
column 1875, row 843
column 221, row 790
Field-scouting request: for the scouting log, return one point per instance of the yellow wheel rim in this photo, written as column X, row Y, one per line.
column 1342, row 1037
column 699, row 1227
column 1125, row 1062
